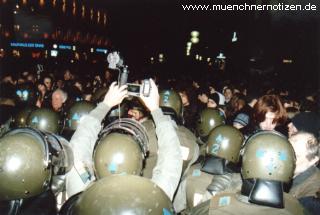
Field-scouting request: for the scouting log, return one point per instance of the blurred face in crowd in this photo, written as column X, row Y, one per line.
column 48, row 83
column 227, row 94
column 67, row 75
column 107, row 75
column 211, row 104
column 268, row 112
column 135, row 114
column 78, row 85
column 292, row 129
column 42, row 88
column 268, row 123
column 57, row 101
column 184, row 98
column 203, row 98
column 306, row 148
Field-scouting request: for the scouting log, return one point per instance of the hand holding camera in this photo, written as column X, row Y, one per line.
column 152, row 100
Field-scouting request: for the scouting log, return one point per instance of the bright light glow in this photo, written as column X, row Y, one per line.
column 189, row 44
column 73, row 48
column 160, row 55
column 197, row 56
column 17, row 6
column 13, row 164
column 200, row 58
column 118, row 158
column 234, row 38
column 221, row 56
column 195, row 34
column 194, row 40
column 42, row 123
column 54, row 53
column 151, row 58
column 208, row 59
column 188, row 53
column 55, row 46
column 287, row 61
column 91, row 50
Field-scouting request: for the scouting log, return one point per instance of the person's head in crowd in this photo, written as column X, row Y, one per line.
column 184, row 98
column 213, row 100
column 41, row 88
column 31, row 78
column 47, row 80
column 203, row 95
column 305, row 121
column 306, row 147
column 291, row 112
column 60, row 83
column 21, row 80
column 108, row 75
column 67, row 75
column 237, row 102
column 59, row 97
column 241, row 120
column 228, row 93
column 78, row 84
column 269, row 112
column 308, row 105
column 136, row 110
column 8, row 79
column 252, row 97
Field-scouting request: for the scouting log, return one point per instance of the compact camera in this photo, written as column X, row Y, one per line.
column 115, row 62
column 139, row 89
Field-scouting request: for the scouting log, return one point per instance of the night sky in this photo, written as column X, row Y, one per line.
column 142, row 29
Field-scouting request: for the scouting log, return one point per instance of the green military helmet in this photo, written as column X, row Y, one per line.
column 268, row 155
column 171, row 99
column 20, row 119
column 121, row 195
column 24, row 164
column 225, row 142
column 188, row 146
column 45, row 120
column 208, row 119
column 76, row 112
column 117, row 153
column 117, row 112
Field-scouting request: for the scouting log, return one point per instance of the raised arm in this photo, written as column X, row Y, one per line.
column 167, row 172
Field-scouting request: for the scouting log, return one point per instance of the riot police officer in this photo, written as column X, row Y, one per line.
column 33, row 165
column 268, row 162
column 167, row 172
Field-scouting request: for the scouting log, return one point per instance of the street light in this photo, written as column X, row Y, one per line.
column 194, row 40
column 195, row 33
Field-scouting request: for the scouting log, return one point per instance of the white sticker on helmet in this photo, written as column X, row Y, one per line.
column 197, row 197
column 185, row 152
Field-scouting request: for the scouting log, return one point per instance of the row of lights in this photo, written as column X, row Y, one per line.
column 101, row 17
column 193, row 40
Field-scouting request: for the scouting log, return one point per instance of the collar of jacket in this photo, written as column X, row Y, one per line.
column 304, row 175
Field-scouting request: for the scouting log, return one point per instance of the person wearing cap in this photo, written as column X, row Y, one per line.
column 214, row 102
column 241, row 120
column 306, row 179
column 305, row 121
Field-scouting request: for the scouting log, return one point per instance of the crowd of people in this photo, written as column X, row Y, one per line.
column 189, row 147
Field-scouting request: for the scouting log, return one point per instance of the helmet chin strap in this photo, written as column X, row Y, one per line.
column 263, row 192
